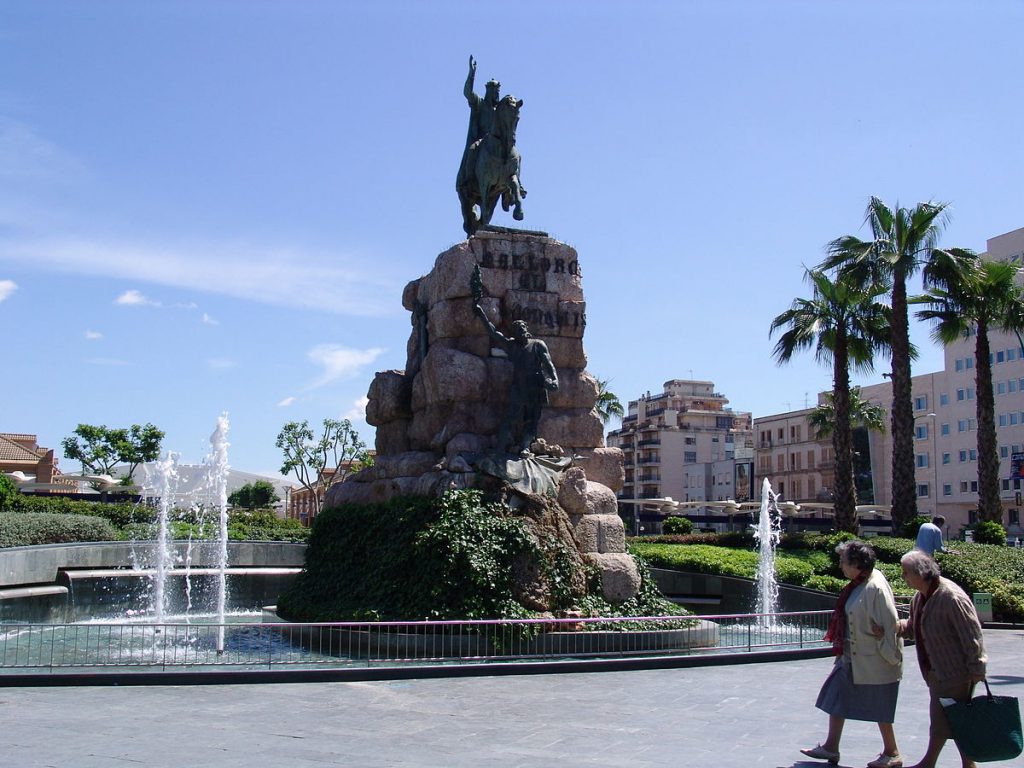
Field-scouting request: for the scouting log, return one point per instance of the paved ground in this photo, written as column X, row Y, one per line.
column 718, row 717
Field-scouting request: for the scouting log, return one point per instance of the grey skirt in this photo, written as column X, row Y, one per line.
column 842, row 697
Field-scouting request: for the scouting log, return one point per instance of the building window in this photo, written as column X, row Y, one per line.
column 782, row 488
column 944, row 398
column 973, row 453
column 974, row 486
column 922, row 490
column 959, row 365
column 945, row 458
column 1004, row 452
column 1013, row 418
column 960, row 394
column 1001, row 388
column 921, row 403
column 922, row 461
column 970, row 393
column 1000, row 356
column 947, row 489
column 1011, row 355
column 690, row 440
column 969, row 363
column 972, row 516
column 1005, row 485
column 963, row 456
column 921, row 432
column 961, row 425
column 810, row 487
column 1014, row 517
column 810, row 459
column 1003, row 419
column 689, row 457
column 945, row 429
column 963, row 486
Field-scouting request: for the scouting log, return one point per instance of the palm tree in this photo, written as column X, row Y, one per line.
column 902, row 241
column 863, row 413
column 845, row 325
column 985, row 298
column 608, row 403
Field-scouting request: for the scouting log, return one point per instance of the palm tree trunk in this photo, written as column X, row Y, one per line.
column 989, row 505
column 844, row 490
column 904, row 492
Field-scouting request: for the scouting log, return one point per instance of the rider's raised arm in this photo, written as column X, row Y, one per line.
column 471, row 97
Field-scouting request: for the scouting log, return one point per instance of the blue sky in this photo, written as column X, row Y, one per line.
column 214, row 206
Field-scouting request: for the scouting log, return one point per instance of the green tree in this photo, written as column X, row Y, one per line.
column 863, row 413
column 903, row 240
column 608, row 404
column 983, row 299
column 258, row 495
column 845, row 326
column 338, row 448
column 100, row 448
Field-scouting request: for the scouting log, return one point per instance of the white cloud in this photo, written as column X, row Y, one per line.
column 207, row 320
column 7, row 287
column 286, row 402
column 111, row 361
column 134, row 298
column 220, row 363
column 340, row 362
column 358, row 410
column 93, row 335
column 280, row 276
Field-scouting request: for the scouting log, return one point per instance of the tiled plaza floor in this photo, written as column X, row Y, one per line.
column 720, row 717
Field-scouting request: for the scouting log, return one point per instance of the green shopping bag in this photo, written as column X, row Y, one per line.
column 987, row 728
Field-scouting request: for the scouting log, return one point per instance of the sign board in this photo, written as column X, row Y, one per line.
column 1016, row 466
column 983, row 605
column 742, row 477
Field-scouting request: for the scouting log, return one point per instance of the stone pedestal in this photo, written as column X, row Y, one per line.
column 449, row 401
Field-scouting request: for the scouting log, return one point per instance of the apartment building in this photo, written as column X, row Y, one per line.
column 799, row 466
column 685, row 443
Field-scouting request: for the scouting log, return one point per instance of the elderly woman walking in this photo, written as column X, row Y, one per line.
column 950, row 649
column 864, row 681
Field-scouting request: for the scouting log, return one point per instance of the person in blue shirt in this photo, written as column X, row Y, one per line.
column 929, row 536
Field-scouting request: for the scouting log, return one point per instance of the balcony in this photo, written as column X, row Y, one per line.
column 650, row 478
column 655, row 411
column 650, row 460
column 650, row 441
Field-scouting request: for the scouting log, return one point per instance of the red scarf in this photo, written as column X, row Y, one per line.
column 837, row 624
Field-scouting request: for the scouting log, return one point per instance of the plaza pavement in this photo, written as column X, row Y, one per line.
column 716, row 716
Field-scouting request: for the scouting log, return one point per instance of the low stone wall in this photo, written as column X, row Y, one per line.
column 25, row 566
column 710, row 594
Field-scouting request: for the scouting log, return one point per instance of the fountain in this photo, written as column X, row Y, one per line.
column 768, row 533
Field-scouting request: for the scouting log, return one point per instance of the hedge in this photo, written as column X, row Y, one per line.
column 30, row 528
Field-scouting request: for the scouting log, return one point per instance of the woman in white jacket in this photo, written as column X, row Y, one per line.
column 865, row 679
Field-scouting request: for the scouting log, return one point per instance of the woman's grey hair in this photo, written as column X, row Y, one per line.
column 920, row 564
column 858, row 554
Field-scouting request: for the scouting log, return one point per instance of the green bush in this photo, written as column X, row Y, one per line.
column 910, row 528
column 998, row 570
column 889, row 549
column 25, row 529
column 737, row 539
column 8, row 492
column 989, row 532
column 825, row 583
column 677, row 525
column 701, row 558
column 118, row 513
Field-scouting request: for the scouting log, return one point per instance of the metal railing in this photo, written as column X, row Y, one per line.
column 97, row 647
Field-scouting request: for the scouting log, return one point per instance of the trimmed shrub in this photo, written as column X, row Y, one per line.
column 889, row 549
column 677, row 525
column 989, row 532
column 26, row 529
column 8, row 492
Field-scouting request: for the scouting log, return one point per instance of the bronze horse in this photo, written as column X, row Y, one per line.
column 491, row 170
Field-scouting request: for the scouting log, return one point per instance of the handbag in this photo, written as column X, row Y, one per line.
column 987, row 728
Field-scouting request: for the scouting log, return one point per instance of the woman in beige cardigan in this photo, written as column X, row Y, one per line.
column 865, row 679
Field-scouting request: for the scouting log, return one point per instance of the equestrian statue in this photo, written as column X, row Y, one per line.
column 490, row 160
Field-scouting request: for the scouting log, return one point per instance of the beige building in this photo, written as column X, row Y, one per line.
column 799, row 466
column 685, row 443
